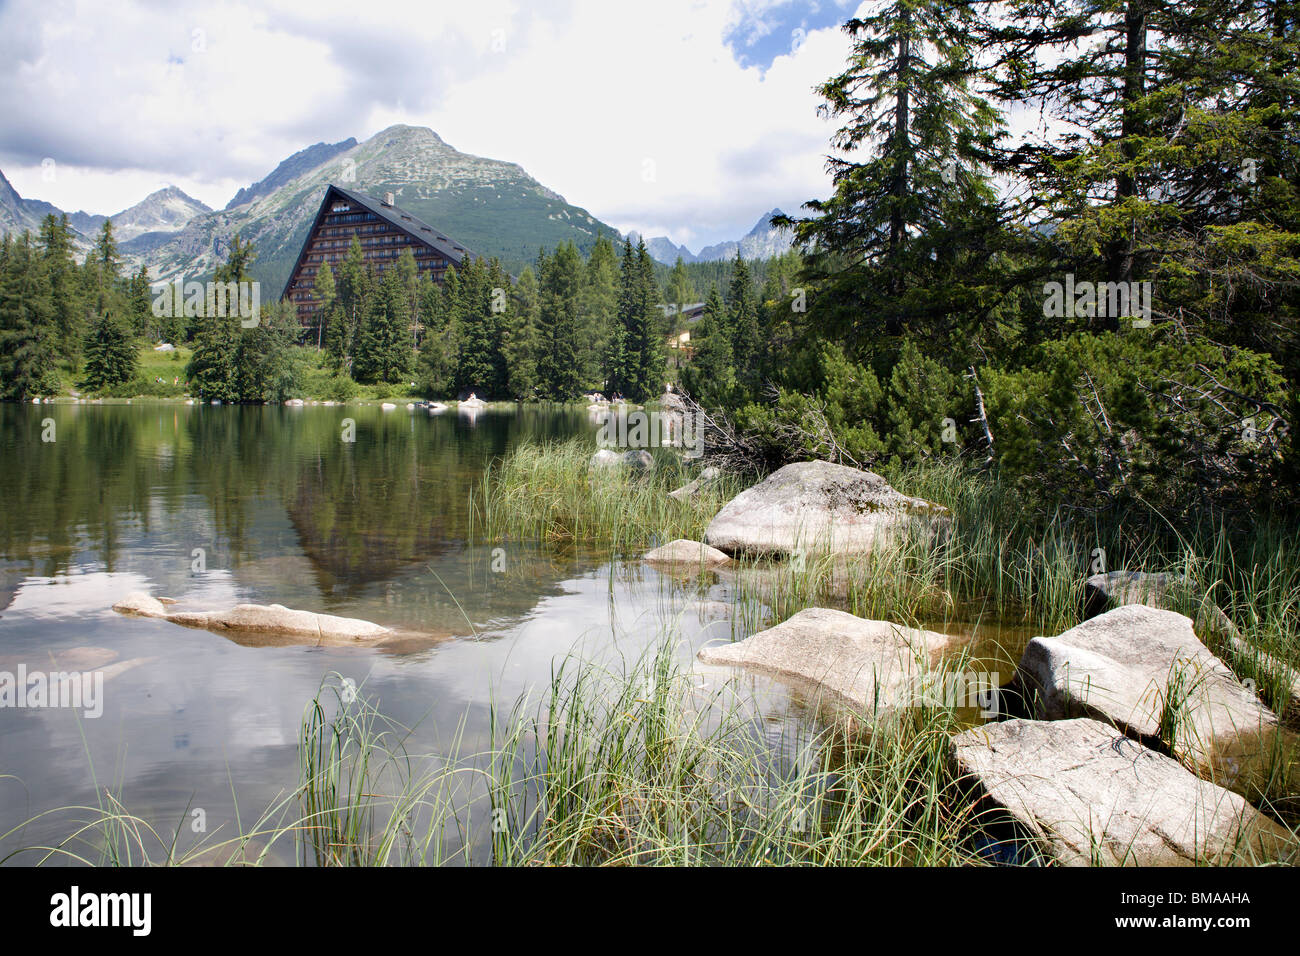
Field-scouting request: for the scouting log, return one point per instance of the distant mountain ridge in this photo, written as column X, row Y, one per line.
column 137, row 227
column 762, row 242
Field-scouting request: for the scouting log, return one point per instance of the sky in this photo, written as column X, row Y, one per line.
column 685, row 118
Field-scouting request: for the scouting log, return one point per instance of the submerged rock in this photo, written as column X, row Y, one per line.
column 1144, row 670
column 814, row 506
column 272, row 619
column 1090, row 795
column 688, row 553
column 852, row 664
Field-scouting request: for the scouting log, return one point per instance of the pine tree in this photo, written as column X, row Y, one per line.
column 327, row 296
column 711, row 375
column 917, row 214
column 383, row 349
column 519, row 342
column 110, row 353
column 28, row 337
column 742, row 308
column 558, row 317
column 599, row 300
column 645, row 333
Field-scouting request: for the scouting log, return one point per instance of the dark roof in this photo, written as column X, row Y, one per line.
column 413, row 226
column 410, row 224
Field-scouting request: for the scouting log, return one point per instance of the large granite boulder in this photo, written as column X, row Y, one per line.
column 817, row 506
column 1112, row 589
column 1144, row 670
column 848, row 663
column 686, row 553
column 1088, row 795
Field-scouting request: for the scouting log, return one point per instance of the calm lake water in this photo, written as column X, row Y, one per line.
column 216, row 506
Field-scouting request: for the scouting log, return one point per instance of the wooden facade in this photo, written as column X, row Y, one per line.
column 384, row 231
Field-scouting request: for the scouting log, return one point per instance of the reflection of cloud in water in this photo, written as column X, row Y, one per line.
column 78, row 593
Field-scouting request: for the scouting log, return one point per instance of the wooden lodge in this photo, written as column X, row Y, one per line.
column 384, row 230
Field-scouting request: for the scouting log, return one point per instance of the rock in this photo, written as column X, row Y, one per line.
column 690, row 491
column 1092, row 795
column 473, row 402
column 639, row 460
column 686, row 553
column 814, row 506
column 387, row 406
column 137, row 602
column 1103, row 592
column 852, row 664
column 294, row 402
column 1122, row 666
column 278, row 619
column 302, row 626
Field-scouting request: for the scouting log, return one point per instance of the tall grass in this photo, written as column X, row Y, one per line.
column 551, row 493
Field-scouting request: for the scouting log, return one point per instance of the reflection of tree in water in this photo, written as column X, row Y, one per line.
column 399, row 494
column 72, row 493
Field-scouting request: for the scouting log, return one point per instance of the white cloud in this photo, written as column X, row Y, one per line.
column 638, row 112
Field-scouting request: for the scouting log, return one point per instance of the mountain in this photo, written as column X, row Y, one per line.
column 762, row 242
column 17, row 213
column 137, row 228
column 303, row 161
column 491, row 206
column 662, row 249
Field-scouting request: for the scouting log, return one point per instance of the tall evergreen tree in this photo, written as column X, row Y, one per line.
column 558, row 324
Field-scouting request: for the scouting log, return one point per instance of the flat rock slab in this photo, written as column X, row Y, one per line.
column 852, row 664
column 816, row 506
column 297, row 627
column 1124, row 666
column 686, row 553
column 1090, row 795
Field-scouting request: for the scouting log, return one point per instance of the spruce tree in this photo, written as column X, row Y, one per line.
column 558, row 325
column 110, row 353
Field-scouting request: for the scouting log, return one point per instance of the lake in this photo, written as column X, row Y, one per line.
column 215, row 506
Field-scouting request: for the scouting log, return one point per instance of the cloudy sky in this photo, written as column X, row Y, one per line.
column 687, row 118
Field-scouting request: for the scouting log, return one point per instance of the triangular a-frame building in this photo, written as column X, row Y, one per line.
column 384, row 231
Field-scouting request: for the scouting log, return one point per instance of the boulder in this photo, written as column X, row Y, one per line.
column 137, row 602
column 687, row 553
column 689, row 491
column 1089, row 795
column 1103, row 592
column 813, row 506
column 270, row 619
column 1128, row 665
column 637, row 459
column 851, row 664
column 473, row 402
